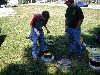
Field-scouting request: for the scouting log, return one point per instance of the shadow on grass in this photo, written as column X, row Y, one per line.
column 14, row 69
column 91, row 40
column 39, row 67
column 29, row 67
column 61, row 48
column 2, row 38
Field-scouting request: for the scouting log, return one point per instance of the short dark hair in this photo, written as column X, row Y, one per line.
column 45, row 14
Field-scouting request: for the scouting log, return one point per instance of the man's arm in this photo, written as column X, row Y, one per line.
column 46, row 26
column 81, row 17
column 65, row 24
column 47, row 29
column 79, row 24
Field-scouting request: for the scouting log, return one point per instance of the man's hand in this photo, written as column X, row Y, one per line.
column 65, row 28
column 48, row 31
column 78, row 28
column 79, row 24
column 37, row 32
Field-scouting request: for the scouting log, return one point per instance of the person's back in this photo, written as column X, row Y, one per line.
column 39, row 21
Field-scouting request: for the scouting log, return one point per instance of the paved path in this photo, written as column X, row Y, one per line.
column 7, row 12
column 55, row 4
column 94, row 6
column 10, row 11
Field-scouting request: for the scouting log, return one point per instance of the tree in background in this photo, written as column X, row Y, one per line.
column 3, row 2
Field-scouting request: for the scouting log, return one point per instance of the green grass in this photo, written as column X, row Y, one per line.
column 15, row 51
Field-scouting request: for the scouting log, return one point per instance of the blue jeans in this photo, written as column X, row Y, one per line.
column 74, row 39
column 36, row 39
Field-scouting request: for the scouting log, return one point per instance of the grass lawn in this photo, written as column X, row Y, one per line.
column 15, row 51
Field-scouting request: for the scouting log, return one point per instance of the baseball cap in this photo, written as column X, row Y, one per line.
column 69, row 1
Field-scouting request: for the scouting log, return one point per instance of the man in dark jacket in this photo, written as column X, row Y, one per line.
column 74, row 18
